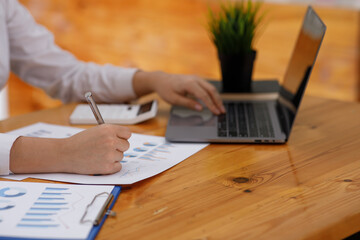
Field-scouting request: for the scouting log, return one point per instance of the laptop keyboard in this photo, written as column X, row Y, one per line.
column 249, row 119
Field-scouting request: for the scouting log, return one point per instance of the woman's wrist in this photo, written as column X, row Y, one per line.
column 146, row 82
column 36, row 155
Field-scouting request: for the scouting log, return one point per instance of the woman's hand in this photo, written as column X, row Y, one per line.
column 184, row 90
column 97, row 150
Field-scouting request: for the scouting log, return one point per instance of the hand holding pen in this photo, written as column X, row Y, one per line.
column 97, row 150
column 94, row 108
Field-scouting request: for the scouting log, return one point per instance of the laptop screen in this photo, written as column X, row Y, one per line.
column 300, row 66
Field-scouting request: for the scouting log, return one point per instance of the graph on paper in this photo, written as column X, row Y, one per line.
column 47, row 208
column 146, row 156
column 37, row 210
column 149, row 151
column 46, row 131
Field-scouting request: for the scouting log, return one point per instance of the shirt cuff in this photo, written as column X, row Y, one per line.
column 6, row 142
column 120, row 86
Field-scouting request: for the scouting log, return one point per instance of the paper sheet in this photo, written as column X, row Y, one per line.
column 146, row 157
column 43, row 210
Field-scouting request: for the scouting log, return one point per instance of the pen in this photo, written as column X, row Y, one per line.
column 104, row 211
column 94, row 108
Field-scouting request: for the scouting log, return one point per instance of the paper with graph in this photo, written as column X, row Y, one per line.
column 43, row 210
column 146, row 157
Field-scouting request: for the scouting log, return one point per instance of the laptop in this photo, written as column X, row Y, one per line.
column 254, row 119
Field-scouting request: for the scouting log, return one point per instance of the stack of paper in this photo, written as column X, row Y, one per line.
column 146, row 157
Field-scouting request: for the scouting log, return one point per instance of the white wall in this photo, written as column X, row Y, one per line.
column 331, row 3
column 4, row 103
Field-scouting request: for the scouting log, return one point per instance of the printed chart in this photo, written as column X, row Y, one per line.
column 46, row 130
column 146, row 157
column 51, row 203
column 39, row 210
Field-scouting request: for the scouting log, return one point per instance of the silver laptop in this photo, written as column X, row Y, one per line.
column 256, row 120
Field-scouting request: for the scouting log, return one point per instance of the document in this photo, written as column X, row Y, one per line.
column 146, row 157
column 49, row 211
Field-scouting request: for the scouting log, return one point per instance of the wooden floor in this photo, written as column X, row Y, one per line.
column 172, row 36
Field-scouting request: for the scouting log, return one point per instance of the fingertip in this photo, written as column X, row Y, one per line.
column 128, row 134
column 198, row 107
column 117, row 167
column 128, row 146
column 216, row 111
column 124, row 132
column 222, row 109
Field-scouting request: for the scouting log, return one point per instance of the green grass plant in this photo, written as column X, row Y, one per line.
column 234, row 26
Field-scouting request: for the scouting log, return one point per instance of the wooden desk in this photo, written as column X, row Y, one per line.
column 308, row 188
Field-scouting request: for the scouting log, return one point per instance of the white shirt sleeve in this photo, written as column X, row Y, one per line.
column 6, row 142
column 36, row 59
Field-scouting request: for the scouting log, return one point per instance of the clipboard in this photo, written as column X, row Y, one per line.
column 96, row 228
column 104, row 211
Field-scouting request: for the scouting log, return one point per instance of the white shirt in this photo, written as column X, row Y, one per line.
column 28, row 50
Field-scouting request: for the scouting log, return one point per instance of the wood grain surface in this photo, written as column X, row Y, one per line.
column 308, row 188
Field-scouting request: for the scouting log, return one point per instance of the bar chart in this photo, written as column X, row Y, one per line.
column 44, row 212
column 41, row 210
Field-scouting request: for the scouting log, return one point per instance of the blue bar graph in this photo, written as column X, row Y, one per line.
column 51, row 198
column 55, row 189
column 49, row 203
column 36, row 220
column 44, row 211
column 140, row 149
column 147, row 158
column 39, row 214
column 47, row 209
column 54, row 193
column 37, row 225
column 149, row 144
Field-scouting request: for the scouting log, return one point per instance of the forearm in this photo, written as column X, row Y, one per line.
column 97, row 150
column 145, row 82
column 36, row 155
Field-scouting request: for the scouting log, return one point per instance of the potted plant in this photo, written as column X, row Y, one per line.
column 232, row 31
